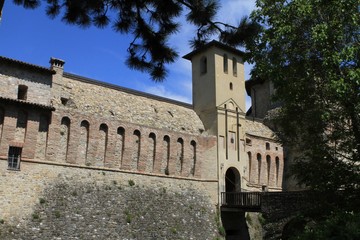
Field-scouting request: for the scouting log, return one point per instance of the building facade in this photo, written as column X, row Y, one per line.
column 55, row 119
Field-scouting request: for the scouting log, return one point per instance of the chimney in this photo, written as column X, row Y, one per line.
column 57, row 65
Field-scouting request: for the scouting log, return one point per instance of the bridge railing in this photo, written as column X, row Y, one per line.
column 245, row 200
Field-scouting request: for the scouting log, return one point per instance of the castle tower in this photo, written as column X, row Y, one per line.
column 219, row 100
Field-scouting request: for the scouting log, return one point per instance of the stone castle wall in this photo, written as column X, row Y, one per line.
column 44, row 201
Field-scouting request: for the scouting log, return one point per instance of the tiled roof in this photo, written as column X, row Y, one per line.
column 27, row 65
column 259, row 129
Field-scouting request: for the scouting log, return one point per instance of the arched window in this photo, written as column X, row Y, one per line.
column 225, row 63
column 259, row 166
column 234, row 63
column 268, row 167
column 203, row 65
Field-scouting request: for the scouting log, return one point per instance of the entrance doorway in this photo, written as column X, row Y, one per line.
column 232, row 180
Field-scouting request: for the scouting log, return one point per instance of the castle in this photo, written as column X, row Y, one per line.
column 54, row 122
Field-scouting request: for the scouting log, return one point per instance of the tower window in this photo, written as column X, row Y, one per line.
column 231, row 86
column 14, row 156
column 225, row 63
column 22, row 92
column 203, row 65
column 234, row 63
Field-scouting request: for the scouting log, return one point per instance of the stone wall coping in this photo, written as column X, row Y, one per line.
column 27, row 103
column 111, row 170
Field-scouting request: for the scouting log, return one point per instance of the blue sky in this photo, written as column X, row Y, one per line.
column 30, row 36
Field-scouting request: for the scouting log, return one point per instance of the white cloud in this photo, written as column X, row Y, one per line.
column 162, row 91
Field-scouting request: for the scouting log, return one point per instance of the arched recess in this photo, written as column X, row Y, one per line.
column 268, row 167
column 136, row 150
column 120, row 145
column 277, row 163
column 179, row 156
column 21, row 125
column 258, row 156
column 250, row 165
column 193, row 162
column 232, row 180
column 166, row 158
column 102, row 145
column 2, row 116
column 64, row 139
column 83, row 143
column 42, row 136
column 151, row 153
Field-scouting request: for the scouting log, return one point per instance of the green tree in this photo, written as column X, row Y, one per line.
column 310, row 50
column 151, row 23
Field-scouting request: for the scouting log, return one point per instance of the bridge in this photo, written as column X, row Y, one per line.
column 265, row 202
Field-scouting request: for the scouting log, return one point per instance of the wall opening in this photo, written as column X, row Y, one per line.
column 14, row 156
column 225, row 63
column 22, row 92
column 232, row 180
column 234, row 66
column 203, row 65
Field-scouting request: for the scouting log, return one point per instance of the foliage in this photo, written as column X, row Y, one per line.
column 310, row 50
column 339, row 225
column 151, row 23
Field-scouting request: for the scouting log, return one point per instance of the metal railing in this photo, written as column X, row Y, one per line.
column 245, row 200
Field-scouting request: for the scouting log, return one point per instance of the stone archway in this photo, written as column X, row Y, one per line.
column 232, row 180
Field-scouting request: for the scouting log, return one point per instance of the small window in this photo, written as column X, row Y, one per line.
column 203, row 65
column 22, row 92
column 234, row 62
column 248, row 141
column 231, row 86
column 267, row 146
column 225, row 63
column 14, row 156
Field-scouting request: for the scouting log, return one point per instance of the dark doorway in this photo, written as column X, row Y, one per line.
column 232, row 180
